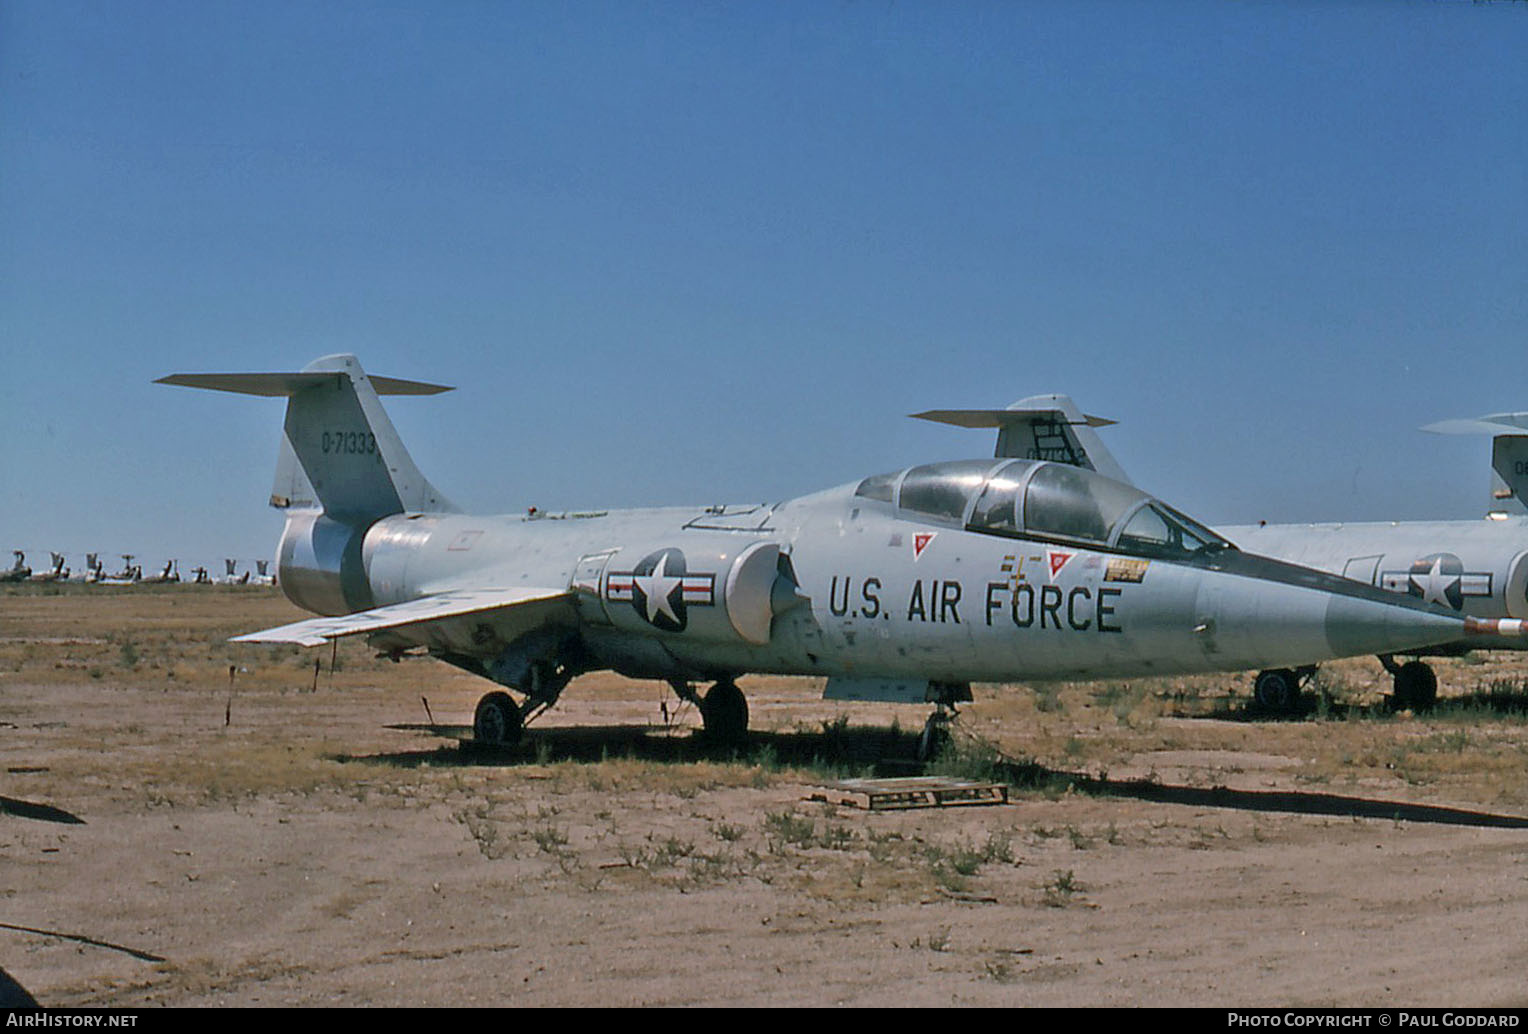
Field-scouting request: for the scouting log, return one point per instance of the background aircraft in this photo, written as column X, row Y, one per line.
column 1474, row 568
column 905, row 586
column 1509, row 457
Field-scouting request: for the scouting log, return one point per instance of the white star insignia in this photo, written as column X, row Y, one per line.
column 657, row 587
column 1436, row 585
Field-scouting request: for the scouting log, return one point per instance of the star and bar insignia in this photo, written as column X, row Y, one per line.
column 1438, row 578
column 661, row 590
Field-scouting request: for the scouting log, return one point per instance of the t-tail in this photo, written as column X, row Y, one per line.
column 1041, row 427
column 342, row 468
column 340, row 452
column 1509, row 456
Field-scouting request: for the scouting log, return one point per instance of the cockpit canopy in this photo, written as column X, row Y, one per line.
column 1042, row 500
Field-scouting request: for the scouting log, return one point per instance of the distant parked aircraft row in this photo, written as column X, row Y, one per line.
column 95, row 572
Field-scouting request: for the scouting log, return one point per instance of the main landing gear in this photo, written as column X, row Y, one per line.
column 1416, row 684
column 500, row 722
column 1277, row 691
column 723, row 710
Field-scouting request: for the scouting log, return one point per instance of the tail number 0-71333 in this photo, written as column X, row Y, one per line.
column 349, row 443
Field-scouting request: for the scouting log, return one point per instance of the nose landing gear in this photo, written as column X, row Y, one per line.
column 936, row 734
column 936, row 731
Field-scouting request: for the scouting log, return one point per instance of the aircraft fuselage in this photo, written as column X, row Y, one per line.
column 829, row 584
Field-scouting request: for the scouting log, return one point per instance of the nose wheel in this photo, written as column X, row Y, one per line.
column 936, row 734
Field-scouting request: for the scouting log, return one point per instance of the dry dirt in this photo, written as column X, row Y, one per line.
column 173, row 834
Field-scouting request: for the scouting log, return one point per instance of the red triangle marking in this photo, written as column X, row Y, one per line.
column 1058, row 560
column 921, row 541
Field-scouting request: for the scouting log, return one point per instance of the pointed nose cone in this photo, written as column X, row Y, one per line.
column 1271, row 613
column 1357, row 626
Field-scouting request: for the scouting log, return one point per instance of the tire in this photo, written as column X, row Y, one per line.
column 1277, row 691
column 497, row 721
column 934, row 740
column 725, row 713
column 1416, row 687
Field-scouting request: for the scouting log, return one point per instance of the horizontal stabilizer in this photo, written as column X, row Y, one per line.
column 1496, row 423
column 1041, row 427
column 439, row 607
column 977, row 418
column 284, row 385
column 1509, row 455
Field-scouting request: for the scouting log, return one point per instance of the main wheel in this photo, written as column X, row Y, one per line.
column 1277, row 691
column 725, row 713
column 1416, row 686
column 497, row 721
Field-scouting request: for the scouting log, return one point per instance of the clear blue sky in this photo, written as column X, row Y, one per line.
column 696, row 252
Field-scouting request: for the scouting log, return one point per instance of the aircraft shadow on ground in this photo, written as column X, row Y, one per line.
column 840, row 752
column 858, row 750
column 1506, row 704
column 41, row 812
column 13, row 995
column 1297, row 802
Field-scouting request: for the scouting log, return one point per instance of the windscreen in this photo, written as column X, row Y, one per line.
column 879, row 486
column 1159, row 530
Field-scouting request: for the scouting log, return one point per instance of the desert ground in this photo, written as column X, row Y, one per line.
column 184, row 821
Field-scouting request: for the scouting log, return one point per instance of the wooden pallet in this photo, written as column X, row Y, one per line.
column 910, row 792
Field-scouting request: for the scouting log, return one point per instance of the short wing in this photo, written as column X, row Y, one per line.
column 488, row 604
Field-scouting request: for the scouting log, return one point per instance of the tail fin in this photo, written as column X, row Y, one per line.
column 1041, row 427
column 1509, row 456
column 340, row 451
